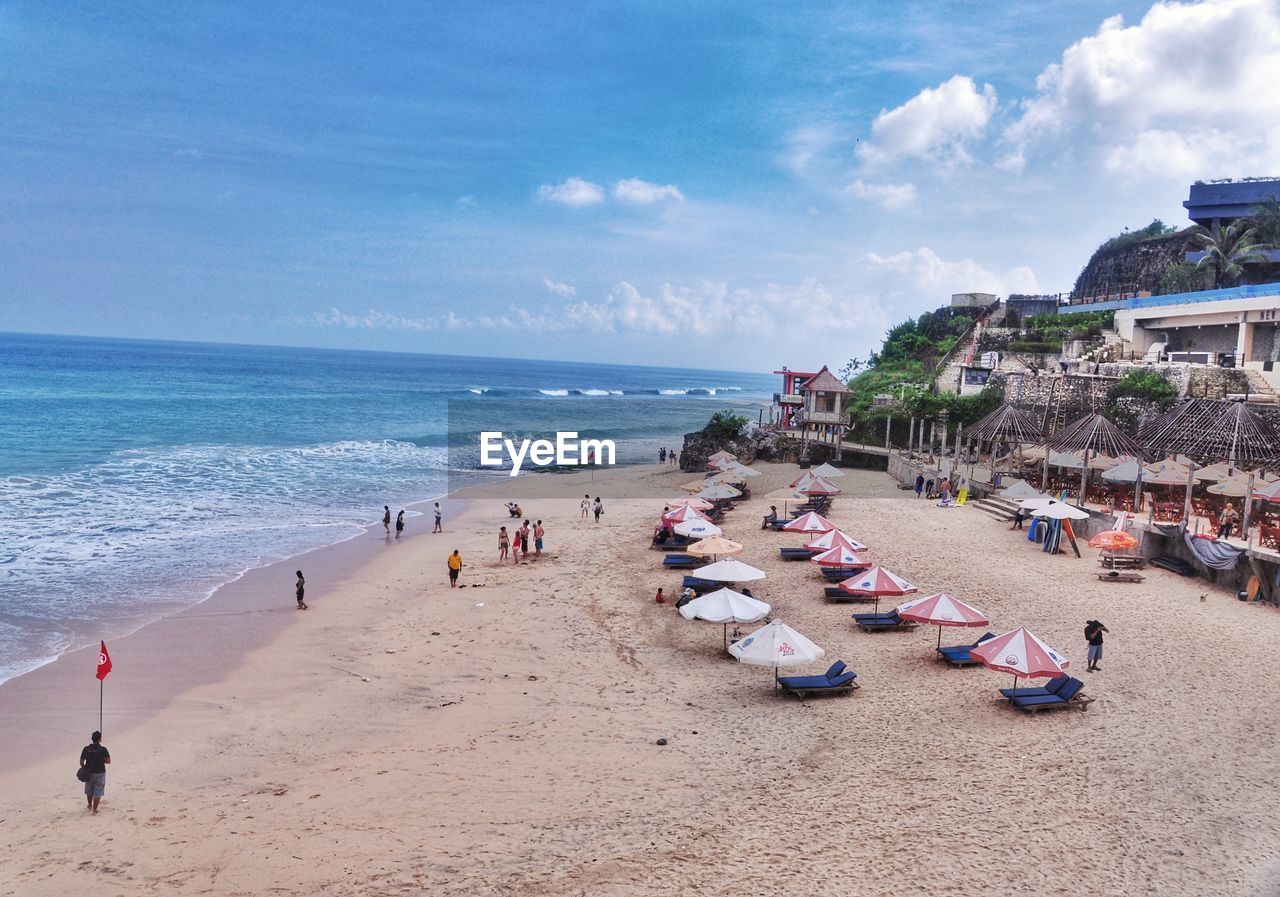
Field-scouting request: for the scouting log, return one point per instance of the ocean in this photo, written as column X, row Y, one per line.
column 137, row 477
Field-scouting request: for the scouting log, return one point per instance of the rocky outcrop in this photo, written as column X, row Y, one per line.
column 762, row 445
column 1138, row 266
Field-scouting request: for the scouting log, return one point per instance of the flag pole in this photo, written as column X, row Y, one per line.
column 100, row 684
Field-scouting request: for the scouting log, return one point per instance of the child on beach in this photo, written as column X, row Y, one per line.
column 598, row 508
column 455, row 566
column 386, row 518
column 400, row 523
column 585, row 505
column 299, row 589
column 439, row 528
column 504, row 544
column 660, row 598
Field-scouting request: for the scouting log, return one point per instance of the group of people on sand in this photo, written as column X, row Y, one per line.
column 588, row 506
column 924, row 488
column 516, row 544
column 667, row 456
column 386, row 520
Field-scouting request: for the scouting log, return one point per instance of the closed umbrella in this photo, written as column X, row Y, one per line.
column 812, row 522
column 697, row 529
column 725, row 606
column 776, row 645
column 1021, row 653
column 878, row 583
column 942, row 610
column 835, row 538
column 730, row 571
column 840, row 557
column 714, row 546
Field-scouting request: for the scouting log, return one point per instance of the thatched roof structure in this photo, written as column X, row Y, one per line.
column 1006, row 424
column 1095, row 433
column 1209, row 430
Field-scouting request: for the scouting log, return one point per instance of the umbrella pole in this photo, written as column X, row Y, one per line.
column 1186, row 504
column 1248, row 508
column 726, row 638
column 939, row 635
column 1015, row 687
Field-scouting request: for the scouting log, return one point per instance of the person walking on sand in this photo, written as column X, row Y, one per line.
column 919, row 484
column 585, row 506
column 400, row 523
column 300, row 589
column 94, row 759
column 439, row 528
column 597, row 508
column 538, row 533
column 504, row 544
column 386, row 518
column 662, row 455
column 1093, row 635
column 455, row 566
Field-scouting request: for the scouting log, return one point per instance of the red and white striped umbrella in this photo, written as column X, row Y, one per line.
column 803, row 480
column 835, row 538
column 1021, row 653
column 812, row 522
column 819, row 486
column 840, row 556
column 942, row 610
column 683, row 513
column 877, row 583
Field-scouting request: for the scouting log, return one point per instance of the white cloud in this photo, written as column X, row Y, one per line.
column 934, row 124
column 923, row 275
column 806, row 144
column 638, row 192
column 467, row 201
column 556, row 288
column 1189, row 90
column 890, row 196
column 573, row 192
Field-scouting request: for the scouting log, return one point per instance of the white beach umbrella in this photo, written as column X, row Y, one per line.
column 1040, row 501
column 725, row 606
column 697, row 529
column 730, row 571
column 828, row 470
column 741, row 470
column 1124, row 472
column 718, row 492
column 1020, row 490
column 776, row 645
column 1060, row 510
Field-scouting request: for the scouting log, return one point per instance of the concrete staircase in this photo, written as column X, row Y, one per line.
column 1000, row 508
column 1112, row 348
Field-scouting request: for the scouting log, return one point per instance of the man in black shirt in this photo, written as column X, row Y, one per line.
column 1093, row 634
column 94, row 759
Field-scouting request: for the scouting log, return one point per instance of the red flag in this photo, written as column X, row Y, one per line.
column 104, row 662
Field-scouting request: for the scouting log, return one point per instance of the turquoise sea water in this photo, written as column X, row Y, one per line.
column 136, row 477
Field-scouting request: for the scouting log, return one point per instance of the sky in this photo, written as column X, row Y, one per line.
column 726, row 185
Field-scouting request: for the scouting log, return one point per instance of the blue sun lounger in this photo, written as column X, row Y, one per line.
column 796, row 554
column 682, row 561
column 1049, row 688
column 840, row 574
column 882, row 622
column 1066, row 696
column 958, row 655
column 836, row 680
column 837, row 595
column 700, row 585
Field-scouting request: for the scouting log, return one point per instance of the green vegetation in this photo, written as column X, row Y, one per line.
column 1156, row 230
column 1228, row 249
column 1044, row 333
column 1182, row 277
column 725, row 426
column 1139, row 384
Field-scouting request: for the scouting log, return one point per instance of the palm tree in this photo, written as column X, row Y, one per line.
column 1227, row 250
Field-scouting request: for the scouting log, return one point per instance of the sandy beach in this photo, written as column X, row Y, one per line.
column 402, row 737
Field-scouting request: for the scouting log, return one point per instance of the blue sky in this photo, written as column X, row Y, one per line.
column 711, row 184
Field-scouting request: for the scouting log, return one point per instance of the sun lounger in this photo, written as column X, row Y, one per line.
column 675, row 543
column 840, row 574
column 796, row 554
column 837, row 595
column 958, row 655
column 682, row 561
column 1066, row 696
column 836, row 680
column 1049, row 688
column 700, row 585
column 1117, row 576
column 882, row 622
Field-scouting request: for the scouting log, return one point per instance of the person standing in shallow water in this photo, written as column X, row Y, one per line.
column 386, row 518
column 299, row 590
column 400, row 523
column 94, row 758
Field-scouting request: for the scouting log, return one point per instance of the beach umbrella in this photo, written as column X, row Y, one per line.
column 719, row 492
column 812, row 522
column 803, row 480
column 835, row 538
column 1166, row 475
column 681, row 514
column 1269, row 492
column 742, row 469
column 1019, row 490
column 775, row 645
column 722, row 455
column 819, row 486
column 1034, row 504
column 691, row 501
column 840, row 556
column 828, row 470
column 1124, row 472
column 714, row 546
column 1021, row 653
column 942, row 610
column 1060, row 510
column 725, row 606
column 877, row 583
column 695, row 486
column 1067, row 460
column 730, row 571
column 1212, row 473
column 1114, row 540
column 697, row 529
column 1234, row 487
